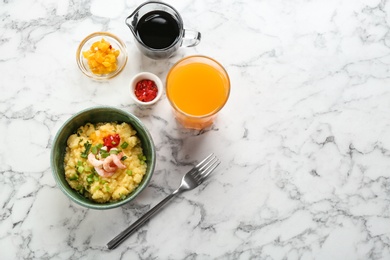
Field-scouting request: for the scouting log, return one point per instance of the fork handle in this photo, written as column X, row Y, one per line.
column 116, row 241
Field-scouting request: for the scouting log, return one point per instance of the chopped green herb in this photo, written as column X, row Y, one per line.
column 90, row 178
column 87, row 146
column 124, row 145
column 112, row 151
column 107, row 188
column 129, row 172
column 142, row 157
column 94, row 150
column 80, row 169
column 74, row 178
column 104, row 154
column 79, row 163
column 123, row 158
column 80, row 189
column 99, row 146
column 87, row 168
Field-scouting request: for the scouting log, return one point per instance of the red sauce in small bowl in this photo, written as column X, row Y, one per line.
column 146, row 90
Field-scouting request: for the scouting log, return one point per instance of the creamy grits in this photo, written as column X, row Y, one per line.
column 104, row 162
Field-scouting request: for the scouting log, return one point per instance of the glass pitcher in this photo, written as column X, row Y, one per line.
column 158, row 30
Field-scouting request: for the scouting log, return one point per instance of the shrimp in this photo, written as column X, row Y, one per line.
column 103, row 173
column 108, row 164
column 95, row 162
column 117, row 160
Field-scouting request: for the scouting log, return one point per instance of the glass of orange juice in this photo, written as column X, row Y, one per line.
column 197, row 88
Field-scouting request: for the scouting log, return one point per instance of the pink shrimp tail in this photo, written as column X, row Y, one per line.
column 95, row 162
column 117, row 160
column 107, row 164
column 103, row 173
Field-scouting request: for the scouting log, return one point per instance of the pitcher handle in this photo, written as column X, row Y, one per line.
column 191, row 38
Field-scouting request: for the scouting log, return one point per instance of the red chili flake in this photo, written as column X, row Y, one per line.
column 111, row 141
column 146, row 90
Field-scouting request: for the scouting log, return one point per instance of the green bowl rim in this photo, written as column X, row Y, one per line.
column 136, row 192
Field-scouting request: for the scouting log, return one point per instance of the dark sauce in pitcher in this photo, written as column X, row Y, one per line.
column 158, row 29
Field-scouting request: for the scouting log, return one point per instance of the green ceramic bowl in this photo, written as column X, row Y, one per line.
column 96, row 115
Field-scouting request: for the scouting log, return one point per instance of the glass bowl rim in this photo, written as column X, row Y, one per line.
column 87, row 72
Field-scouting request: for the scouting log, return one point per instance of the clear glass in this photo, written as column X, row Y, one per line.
column 115, row 42
column 183, row 115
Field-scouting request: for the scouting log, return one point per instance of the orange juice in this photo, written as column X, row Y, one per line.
column 197, row 87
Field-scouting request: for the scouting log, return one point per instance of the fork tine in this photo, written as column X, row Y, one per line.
column 209, row 164
column 203, row 169
column 201, row 174
column 203, row 165
column 196, row 171
column 204, row 160
column 209, row 170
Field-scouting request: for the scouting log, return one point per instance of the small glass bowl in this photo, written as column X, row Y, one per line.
column 115, row 42
column 150, row 76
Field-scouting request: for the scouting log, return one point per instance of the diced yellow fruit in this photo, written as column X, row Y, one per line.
column 103, row 46
column 94, row 46
column 106, row 64
column 101, row 57
column 111, row 58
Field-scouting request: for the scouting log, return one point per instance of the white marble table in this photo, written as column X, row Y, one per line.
column 304, row 139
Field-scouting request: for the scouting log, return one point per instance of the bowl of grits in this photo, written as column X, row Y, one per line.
column 102, row 157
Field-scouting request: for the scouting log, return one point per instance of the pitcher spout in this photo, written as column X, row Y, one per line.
column 131, row 22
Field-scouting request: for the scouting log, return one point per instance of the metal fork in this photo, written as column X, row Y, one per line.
column 191, row 180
